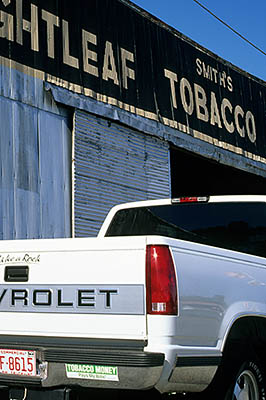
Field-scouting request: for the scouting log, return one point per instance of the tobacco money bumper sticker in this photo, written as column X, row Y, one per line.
column 96, row 372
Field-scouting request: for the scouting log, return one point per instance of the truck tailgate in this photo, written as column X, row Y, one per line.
column 92, row 288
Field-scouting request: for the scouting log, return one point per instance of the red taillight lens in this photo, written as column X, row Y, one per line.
column 161, row 287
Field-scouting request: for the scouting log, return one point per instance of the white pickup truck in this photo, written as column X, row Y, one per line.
column 171, row 296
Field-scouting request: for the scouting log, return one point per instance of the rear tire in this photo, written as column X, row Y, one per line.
column 249, row 383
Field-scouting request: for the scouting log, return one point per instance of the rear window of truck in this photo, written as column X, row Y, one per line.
column 234, row 226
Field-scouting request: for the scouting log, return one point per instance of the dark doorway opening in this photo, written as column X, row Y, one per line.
column 193, row 175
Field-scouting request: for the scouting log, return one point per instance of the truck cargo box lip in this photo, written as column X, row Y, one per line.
column 77, row 343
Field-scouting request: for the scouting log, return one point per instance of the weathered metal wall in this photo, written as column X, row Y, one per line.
column 114, row 164
column 35, row 171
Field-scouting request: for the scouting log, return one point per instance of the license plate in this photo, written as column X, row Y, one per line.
column 18, row 362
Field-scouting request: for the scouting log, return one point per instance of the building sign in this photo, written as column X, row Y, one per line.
column 108, row 51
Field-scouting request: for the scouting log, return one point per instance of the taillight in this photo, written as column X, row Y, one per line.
column 161, row 287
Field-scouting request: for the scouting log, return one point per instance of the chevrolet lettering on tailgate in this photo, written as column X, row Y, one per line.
column 98, row 299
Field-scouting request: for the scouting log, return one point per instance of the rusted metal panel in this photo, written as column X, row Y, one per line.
column 114, row 164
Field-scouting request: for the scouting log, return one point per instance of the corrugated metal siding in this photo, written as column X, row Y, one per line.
column 35, row 189
column 114, row 164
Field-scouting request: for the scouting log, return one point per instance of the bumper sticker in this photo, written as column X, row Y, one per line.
column 96, row 372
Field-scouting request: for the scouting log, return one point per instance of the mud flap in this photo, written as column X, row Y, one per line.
column 35, row 394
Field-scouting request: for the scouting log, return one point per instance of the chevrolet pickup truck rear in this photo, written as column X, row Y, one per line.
column 169, row 296
column 83, row 301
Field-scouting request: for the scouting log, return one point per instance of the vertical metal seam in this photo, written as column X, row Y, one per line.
column 73, row 176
